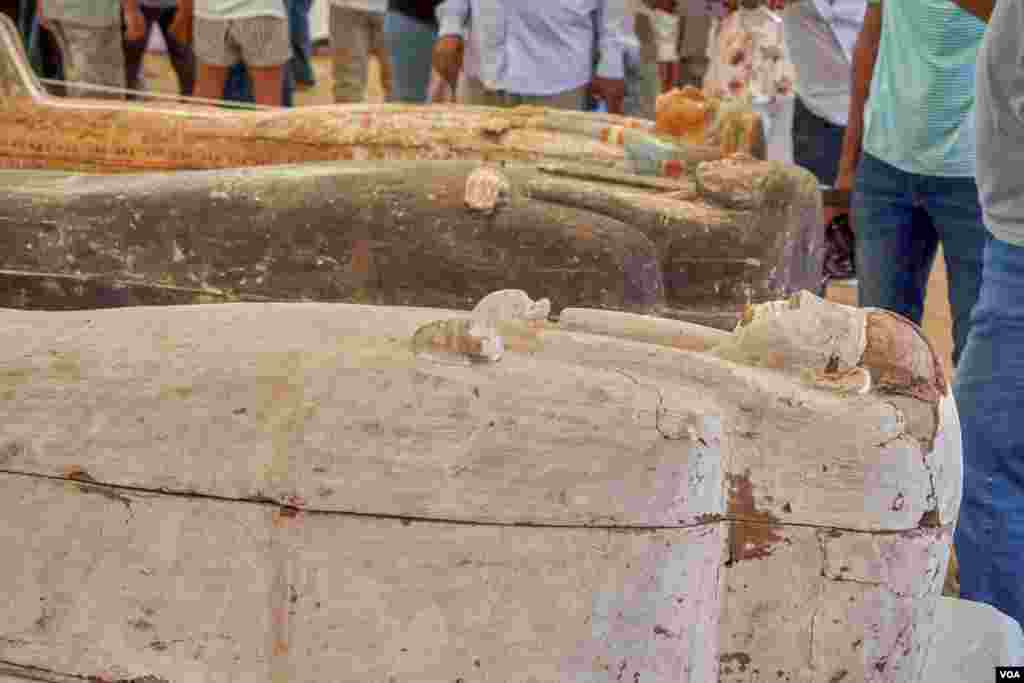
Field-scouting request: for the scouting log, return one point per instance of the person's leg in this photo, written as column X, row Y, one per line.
column 182, row 59
column 135, row 51
column 265, row 49
column 956, row 212
column 896, row 241
column 989, row 392
column 350, row 46
column 379, row 49
column 411, row 46
column 817, row 143
column 92, row 55
column 213, row 57
column 642, row 85
column 302, row 43
column 238, row 86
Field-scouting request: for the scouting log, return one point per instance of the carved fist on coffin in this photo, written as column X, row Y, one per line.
column 389, row 499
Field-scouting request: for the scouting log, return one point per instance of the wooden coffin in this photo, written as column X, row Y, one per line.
column 40, row 131
column 315, row 492
column 428, row 233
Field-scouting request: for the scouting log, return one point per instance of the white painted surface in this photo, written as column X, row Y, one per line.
column 588, row 506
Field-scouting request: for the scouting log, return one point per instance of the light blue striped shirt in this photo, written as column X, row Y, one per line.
column 920, row 114
column 539, row 47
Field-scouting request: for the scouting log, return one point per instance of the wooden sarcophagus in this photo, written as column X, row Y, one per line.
column 44, row 132
column 72, row 134
column 426, row 233
column 317, row 492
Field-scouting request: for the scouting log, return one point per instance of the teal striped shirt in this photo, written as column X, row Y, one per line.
column 920, row 114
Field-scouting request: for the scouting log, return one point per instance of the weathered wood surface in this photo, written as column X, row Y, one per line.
column 277, row 491
column 401, row 233
column 39, row 131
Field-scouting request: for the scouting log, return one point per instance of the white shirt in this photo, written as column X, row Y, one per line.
column 539, row 47
column 820, row 35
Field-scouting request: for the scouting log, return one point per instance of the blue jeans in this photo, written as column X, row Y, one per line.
column 899, row 219
column 411, row 44
column 302, row 42
column 989, row 392
column 238, row 86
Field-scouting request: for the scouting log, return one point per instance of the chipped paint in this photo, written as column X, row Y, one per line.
column 752, row 533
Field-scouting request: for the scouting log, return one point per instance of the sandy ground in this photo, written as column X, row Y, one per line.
column 937, row 323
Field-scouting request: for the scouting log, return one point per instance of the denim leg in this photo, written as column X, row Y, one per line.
column 411, row 44
column 989, row 391
column 237, row 87
column 955, row 210
column 302, row 42
column 817, row 143
column 896, row 240
column 642, row 83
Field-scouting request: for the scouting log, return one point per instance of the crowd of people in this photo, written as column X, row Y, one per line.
column 910, row 112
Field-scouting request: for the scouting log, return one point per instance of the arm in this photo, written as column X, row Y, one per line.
column 979, row 8
column 865, row 52
column 452, row 17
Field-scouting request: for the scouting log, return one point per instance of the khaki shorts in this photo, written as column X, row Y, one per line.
column 91, row 55
column 257, row 41
column 355, row 35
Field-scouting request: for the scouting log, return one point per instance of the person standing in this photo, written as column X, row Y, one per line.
column 912, row 114
column 694, row 33
column 989, row 536
column 410, row 30
column 513, row 48
column 652, row 65
column 227, row 32
column 357, row 31
column 820, row 36
column 160, row 13
column 90, row 39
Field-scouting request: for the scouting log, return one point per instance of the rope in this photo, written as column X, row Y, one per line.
column 154, row 95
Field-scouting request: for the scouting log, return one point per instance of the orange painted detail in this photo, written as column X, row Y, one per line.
column 673, row 168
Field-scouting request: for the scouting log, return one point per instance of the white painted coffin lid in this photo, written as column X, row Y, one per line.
column 324, row 406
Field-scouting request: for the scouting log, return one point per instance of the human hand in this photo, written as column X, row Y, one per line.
column 838, row 204
column 611, row 90
column 447, row 58
column 134, row 26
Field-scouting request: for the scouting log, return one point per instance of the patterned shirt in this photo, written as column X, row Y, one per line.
column 748, row 57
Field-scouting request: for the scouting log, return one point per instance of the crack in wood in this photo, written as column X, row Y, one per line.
column 292, row 507
column 36, row 673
